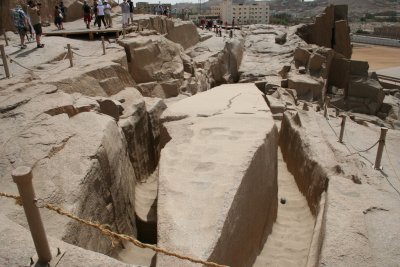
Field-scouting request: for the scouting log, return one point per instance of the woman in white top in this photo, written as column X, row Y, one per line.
column 100, row 14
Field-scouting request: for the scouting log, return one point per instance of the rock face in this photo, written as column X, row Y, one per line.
column 227, row 141
column 262, row 55
column 330, row 29
column 163, row 69
column 15, row 236
column 79, row 161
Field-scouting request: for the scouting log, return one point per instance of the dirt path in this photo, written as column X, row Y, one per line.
column 289, row 242
column 378, row 57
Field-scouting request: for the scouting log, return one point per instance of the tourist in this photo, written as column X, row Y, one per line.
column 130, row 11
column 21, row 24
column 58, row 18
column 125, row 13
column 87, row 16
column 100, row 14
column 233, row 24
column 63, row 12
column 107, row 13
column 34, row 14
column 95, row 13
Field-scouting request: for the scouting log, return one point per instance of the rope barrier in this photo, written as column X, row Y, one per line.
column 391, row 164
column 104, row 230
column 358, row 153
column 94, row 54
column 12, row 60
column 364, row 150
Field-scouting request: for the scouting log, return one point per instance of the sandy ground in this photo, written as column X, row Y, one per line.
column 289, row 242
column 379, row 57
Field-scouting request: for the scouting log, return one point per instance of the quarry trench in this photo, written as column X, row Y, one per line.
column 295, row 238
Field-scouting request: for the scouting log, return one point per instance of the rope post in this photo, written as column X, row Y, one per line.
column 71, row 64
column 342, row 125
column 5, row 62
column 103, row 45
column 5, row 37
column 22, row 176
column 377, row 165
column 326, row 105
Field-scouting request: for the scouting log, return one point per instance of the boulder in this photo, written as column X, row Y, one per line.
column 111, row 108
column 153, row 58
column 316, row 61
column 342, row 38
column 359, row 68
column 167, row 89
column 301, row 56
column 369, row 90
column 339, row 73
column 281, row 39
column 184, row 33
column 305, row 86
column 302, row 70
column 284, row 71
column 226, row 141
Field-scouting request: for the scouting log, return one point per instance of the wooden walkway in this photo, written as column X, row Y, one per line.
column 90, row 32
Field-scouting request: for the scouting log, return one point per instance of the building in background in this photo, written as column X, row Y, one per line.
column 216, row 10
column 253, row 13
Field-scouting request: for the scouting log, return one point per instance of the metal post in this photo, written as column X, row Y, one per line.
column 5, row 37
column 326, row 105
column 342, row 125
column 5, row 61
column 104, row 46
column 382, row 138
column 71, row 64
column 22, row 176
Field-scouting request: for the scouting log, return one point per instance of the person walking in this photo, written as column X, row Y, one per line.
column 95, row 12
column 107, row 13
column 21, row 24
column 125, row 13
column 34, row 14
column 100, row 14
column 87, row 14
column 131, row 8
column 63, row 12
column 58, row 18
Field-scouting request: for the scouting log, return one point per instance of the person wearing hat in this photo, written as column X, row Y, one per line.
column 34, row 14
column 107, row 13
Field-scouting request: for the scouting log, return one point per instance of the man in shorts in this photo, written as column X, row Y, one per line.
column 21, row 24
column 87, row 15
column 34, row 14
